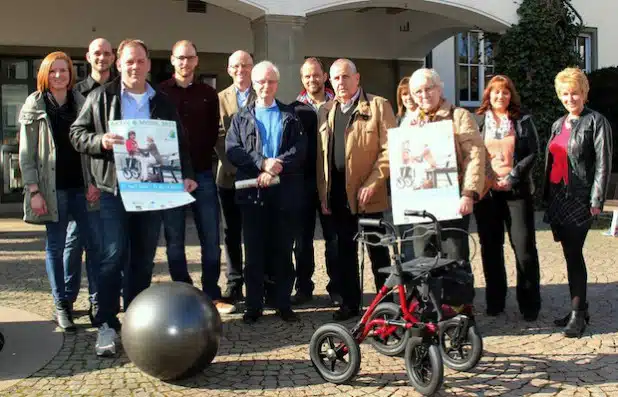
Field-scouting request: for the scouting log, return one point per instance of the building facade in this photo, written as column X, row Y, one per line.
column 387, row 40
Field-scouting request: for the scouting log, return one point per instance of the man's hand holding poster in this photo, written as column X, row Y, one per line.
column 423, row 166
column 148, row 165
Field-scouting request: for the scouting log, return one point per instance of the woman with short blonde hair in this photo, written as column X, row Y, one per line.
column 577, row 169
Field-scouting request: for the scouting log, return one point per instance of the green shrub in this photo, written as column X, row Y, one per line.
column 531, row 53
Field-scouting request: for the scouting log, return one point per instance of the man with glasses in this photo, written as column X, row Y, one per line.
column 231, row 100
column 266, row 142
column 352, row 168
column 198, row 107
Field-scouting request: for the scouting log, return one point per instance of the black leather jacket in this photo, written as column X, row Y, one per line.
column 590, row 157
column 102, row 105
column 244, row 150
column 527, row 149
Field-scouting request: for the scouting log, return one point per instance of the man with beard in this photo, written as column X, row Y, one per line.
column 314, row 95
column 198, row 106
column 101, row 58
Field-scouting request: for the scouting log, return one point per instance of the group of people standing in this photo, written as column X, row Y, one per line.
column 327, row 152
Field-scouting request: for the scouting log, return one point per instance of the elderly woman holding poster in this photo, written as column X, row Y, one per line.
column 426, row 89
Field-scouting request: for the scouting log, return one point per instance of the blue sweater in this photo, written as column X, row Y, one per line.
column 270, row 129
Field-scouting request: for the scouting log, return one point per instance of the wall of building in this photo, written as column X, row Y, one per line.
column 444, row 63
column 498, row 10
column 159, row 23
column 601, row 15
column 376, row 34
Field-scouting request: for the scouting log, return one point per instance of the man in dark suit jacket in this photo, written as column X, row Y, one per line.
column 309, row 100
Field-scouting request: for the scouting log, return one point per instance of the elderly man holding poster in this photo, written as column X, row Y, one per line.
column 267, row 145
column 130, row 99
column 466, row 162
column 352, row 168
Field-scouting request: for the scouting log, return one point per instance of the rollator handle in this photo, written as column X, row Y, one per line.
column 421, row 214
column 368, row 222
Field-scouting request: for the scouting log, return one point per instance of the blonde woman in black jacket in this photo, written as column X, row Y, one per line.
column 577, row 169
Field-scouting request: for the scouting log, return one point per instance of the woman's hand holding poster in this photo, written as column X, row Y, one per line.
column 423, row 166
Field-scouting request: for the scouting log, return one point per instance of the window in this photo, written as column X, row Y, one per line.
column 196, row 6
column 475, row 67
column 583, row 46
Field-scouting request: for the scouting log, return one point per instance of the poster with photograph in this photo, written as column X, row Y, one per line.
column 423, row 166
column 148, row 165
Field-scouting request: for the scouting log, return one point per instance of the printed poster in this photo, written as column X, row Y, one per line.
column 423, row 166
column 148, row 165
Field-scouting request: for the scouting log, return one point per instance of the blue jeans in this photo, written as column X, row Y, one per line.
column 63, row 271
column 74, row 246
column 206, row 217
column 129, row 243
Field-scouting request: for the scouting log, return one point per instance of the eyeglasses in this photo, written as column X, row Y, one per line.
column 427, row 91
column 241, row 66
column 264, row 81
column 185, row 58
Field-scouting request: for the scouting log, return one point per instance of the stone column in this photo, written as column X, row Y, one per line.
column 280, row 39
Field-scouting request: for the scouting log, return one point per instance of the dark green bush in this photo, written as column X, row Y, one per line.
column 531, row 53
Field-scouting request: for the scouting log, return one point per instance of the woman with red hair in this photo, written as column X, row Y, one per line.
column 55, row 178
column 512, row 143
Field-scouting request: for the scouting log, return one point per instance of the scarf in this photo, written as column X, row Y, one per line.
column 495, row 131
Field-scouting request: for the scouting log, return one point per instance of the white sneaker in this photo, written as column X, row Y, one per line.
column 224, row 308
column 106, row 341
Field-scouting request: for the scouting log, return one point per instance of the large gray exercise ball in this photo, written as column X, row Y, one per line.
column 171, row 331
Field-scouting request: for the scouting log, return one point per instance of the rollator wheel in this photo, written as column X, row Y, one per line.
column 391, row 343
column 461, row 349
column 400, row 183
column 126, row 173
column 134, row 173
column 334, row 353
column 424, row 366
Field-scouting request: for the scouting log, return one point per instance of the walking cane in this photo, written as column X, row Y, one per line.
column 362, row 263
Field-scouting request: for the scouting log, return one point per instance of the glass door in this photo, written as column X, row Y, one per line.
column 16, row 82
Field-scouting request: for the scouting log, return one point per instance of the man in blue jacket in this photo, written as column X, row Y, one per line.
column 266, row 141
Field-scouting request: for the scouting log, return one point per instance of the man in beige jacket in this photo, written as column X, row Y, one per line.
column 231, row 100
column 352, row 169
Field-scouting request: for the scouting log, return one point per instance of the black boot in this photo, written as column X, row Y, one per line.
column 576, row 325
column 563, row 321
column 64, row 316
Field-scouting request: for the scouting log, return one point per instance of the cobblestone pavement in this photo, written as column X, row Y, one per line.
column 271, row 357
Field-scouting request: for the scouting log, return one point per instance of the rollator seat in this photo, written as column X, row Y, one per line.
column 419, row 266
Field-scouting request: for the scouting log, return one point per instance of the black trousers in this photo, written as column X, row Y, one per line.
column 515, row 211
column 303, row 247
column 232, row 232
column 268, row 234
column 347, row 266
column 572, row 238
column 455, row 244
